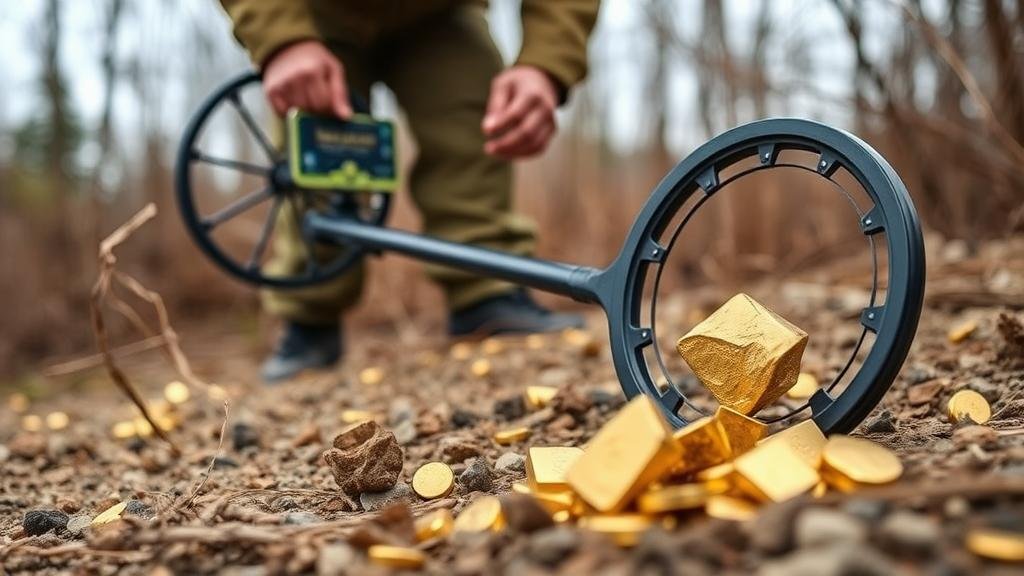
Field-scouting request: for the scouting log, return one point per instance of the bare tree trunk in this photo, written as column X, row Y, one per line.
column 54, row 86
column 1009, row 70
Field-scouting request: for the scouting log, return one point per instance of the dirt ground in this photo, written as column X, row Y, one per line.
column 269, row 504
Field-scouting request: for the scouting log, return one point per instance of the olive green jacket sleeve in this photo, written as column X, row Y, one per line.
column 555, row 36
column 266, row 26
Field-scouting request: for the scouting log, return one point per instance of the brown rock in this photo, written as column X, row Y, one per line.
column 571, row 401
column 523, row 513
column 924, row 393
column 309, row 435
column 365, row 458
column 27, row 445
column 455, row 449
column 429, row 423
column 975, row 434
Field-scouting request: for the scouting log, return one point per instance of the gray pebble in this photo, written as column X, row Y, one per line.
column 550, row 546
column 401, row 410
column 5, row 453
column 37, row 522
column 372, row 501
column 825, row 526
column 909, row 533
column 478, row 476
column 510, row 462
column 301, row 518
column 78, row 523
column 140, row 509
column 510, row 408
column 244, row 435
column 404, row 431
column 836, row 560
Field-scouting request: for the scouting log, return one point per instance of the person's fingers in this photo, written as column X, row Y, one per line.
column 339, row 103
column 529, row 146
column 317, row 95
column 517, row 136
column 277, row 102
column 512, row 114
column 502, row 92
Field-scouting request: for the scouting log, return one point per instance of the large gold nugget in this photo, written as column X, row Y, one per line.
column 703, row 443
column 745, row 354
column 805, row 438
column 743, row 432
column 774, row 472
column 632, row 450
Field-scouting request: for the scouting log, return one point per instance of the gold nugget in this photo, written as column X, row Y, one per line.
column 632, row 450
column 396, row 556
column 57, row 420
column 547, row 466
column 806, row 438
column 539, row 396
column 433, row 480
column 176, row 392
column 482, row 515
column 110, row 514
column 371, row 376
column 555, row 502
column 806, row 386
column 624, row 529
column 968, row 404
column 512, row 435
column 996, row 544
column 741, row 431
column 774, row 472
column 745, row 354
column 703, row 444
column 354, row 416
column 673, row 498
column 730, row 508
column 851, row 463
column 962, row 331
column 436, row 524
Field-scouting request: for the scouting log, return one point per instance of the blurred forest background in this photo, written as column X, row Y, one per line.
column 96, row 94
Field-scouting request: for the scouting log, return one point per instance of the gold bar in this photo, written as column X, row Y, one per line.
column 547, row 466
column 741, row 431
column 703, row 444
column 632, row 450
column 806, row 438
column 745, row 354
column 774, row 472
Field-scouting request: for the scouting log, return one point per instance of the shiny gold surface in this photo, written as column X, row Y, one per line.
column 547, row 466
column 355, row 416
column 745, row 354
column 176, row 392
column 806, row 438
column 968, row 405
column 512, row 435
column 703, row 443
column 851, row 463
column 123, row 430
column 730, row 508
column 539, row 396
column 436, row 524
column 805, row 387
column 396, row 556
column 480, row 367
column 962, row 331
column 673, row 498
column 520, row 488
column 773, row 472
column 741, row 431
column 32, row 422
column 110, row 514
column 57, row 420
column 371, row 376
column 632, row 450
column 433, row 480
column 482, row 515
column 996, row 544
column 624, row 529
column 556, row 501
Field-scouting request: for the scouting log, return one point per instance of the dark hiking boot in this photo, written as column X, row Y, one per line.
column 302, row 347
column 512, row 313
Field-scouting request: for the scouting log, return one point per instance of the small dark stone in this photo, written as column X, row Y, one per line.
column 136, row 444
column 283, row 504
column 455, row 449
column 478, row 476
column 552, row 545
column 222, row 462
column 140, row 509
column 510, row 408
column 463, row 418
column 605, row 400
column 883, row 423
column 77, row 524
column 38, row 522
column 243, row 436
column 373, row 501
column 869, row 510
column 523, row 513
column 916, row 375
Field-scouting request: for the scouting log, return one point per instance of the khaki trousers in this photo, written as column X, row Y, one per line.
column 440, row 68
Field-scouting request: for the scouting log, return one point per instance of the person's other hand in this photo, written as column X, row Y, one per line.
column 520, row 118
column 307, row 76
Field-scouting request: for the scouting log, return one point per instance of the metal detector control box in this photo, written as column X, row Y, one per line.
column 351, row 155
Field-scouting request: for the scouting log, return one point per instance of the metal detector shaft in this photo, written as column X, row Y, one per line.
column 576, row 282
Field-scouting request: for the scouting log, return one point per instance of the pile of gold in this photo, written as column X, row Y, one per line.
column 637, row 472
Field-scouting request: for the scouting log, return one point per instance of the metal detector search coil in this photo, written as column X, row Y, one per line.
column 355, row 222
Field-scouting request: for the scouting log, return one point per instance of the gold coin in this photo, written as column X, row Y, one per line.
column 539, row 396
column 673, row 498
column 57, row 420
column 396, row 556
column 624, row 529
column 482, row 515
column 176, row 392
column 968, row 404
column 996, row 544
column 461, row 350
column 122, row 430
column 433, row 480
column 480, row 367
column 110, row 514
column 962, row 331
column 436, row 524
column 730, row 508
column 512, row 435
column 849, row 462
column 32, row 422
column 371, row 376
column 805, row 387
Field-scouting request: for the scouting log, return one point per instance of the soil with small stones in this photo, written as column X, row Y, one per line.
column 271, row 504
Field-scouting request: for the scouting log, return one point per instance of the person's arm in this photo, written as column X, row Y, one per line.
column 555, row 34
column 298, row 70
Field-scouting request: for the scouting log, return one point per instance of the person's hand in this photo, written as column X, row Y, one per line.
column 520, row 118
column 307, row 76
